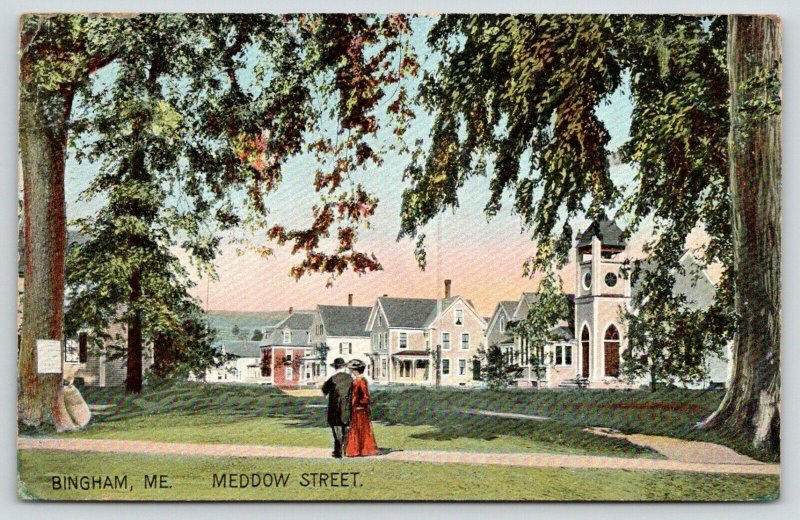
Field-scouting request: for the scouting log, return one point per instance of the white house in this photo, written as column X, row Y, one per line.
column 243, row 367
column 338, row 331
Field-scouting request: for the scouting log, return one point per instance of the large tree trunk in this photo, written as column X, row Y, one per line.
column 133, row 380
column 752, row 403
column 42, row 141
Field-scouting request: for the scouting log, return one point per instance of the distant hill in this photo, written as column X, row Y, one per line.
column 224, row 321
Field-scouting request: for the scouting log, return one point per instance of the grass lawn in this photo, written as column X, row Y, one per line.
column 403, row 420
column 411, row 418
column 192, row 479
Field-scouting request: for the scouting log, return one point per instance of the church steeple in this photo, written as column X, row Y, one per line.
column 601, row 292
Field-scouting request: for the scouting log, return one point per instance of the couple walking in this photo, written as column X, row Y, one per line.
column 348, row 410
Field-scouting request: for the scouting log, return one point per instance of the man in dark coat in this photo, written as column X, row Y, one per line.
column 338, row 389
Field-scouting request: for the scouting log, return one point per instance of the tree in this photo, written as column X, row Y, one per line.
column 540, row 326
column 257, row 335
column 522, row 92
column 668, row 342
column 186, row 347
column 496, row 370
column 57, row 56
column 240, row 137
column 753, row 399
column 236, row 331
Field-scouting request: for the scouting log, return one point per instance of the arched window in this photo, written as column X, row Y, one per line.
column 585, row 342
column 611, row 343
column 502, row 323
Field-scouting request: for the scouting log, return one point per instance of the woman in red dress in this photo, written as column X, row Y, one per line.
column 360, row 439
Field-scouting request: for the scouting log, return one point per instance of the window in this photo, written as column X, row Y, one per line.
column 585, row 344
column 288, row 358
column 567, row 355
column 502, row 323
column 83, row 347
column 345, row 348
column 380, row 320
column 459, row 316
column 445, row 367
column 559, row 355
column 289, row 373
column 462, row 367
column 445, row 341
column 287, row 337
column 611, row 344
column 611, row 279
column 587, row 280
column 404, row 340
column 427, row 339
column 465, row 341
column 385, row 340
column 476, row 370
column 383, row 368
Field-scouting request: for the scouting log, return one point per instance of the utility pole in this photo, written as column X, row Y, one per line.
column 437, row 361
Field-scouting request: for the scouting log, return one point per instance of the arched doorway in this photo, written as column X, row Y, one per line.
column 611, row 349
column 585, row 342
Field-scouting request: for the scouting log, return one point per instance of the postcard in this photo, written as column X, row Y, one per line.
column 399, row 257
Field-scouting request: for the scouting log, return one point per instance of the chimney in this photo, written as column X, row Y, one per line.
column 447, row 284
column 291, row 310
column 385, row 295
column 350, row 299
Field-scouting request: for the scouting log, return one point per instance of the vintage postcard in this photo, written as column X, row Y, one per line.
column 399, row 257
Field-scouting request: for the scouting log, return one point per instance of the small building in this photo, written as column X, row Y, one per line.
column 283, row 350
column 95, row 366
column 338, row 331
column 558, row 360
column 406, row 333
column 244, row 365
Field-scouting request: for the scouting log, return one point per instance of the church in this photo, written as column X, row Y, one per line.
column 587, row 344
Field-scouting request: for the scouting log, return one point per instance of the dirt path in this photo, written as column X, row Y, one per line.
column 681, row 450
column 532, row 460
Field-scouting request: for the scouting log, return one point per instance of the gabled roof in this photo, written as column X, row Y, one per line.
column 606, row 230
column 528, row 300
column 344, row 321
column 446, row 303
column 410, row 313
column 242, row 349
column 296, row 321
column 508, row 307
column 299, row 323
column 693, row 282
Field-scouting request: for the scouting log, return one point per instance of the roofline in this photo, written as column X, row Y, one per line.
column 497, row 310
column 455, row 300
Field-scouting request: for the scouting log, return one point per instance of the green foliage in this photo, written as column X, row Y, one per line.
column 517, row 96
column 186, row 347
column 496, row 371
column 516, row 90
column 235, row 331
column 670, row 343
column 257, row 335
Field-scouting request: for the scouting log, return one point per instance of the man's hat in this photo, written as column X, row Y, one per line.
column 338, row 363
column 356, row 364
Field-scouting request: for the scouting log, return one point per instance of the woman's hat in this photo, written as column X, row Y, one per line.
column 338, row 363
column 357, row 364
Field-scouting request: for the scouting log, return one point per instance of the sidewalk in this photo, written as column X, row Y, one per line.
column 531, row 460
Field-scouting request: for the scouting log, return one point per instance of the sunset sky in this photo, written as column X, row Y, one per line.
column 483, row 259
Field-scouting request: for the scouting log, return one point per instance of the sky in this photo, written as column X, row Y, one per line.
column 482, row 258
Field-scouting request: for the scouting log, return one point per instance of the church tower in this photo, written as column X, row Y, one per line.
column 601, row 293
